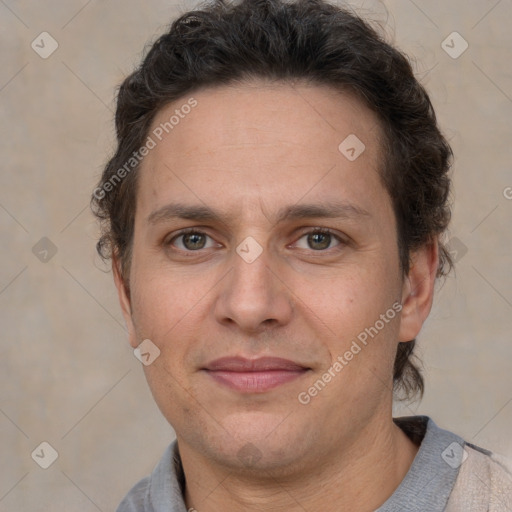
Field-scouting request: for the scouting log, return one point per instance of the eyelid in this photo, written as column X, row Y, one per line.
column 318, row 229
column 303, row 232
column 327, row 231
column 185, row 231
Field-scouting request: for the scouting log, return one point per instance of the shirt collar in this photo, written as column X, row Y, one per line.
column 426, row 486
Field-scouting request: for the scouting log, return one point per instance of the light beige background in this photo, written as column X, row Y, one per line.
column 68, row 375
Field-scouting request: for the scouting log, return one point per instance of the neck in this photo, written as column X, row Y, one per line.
column 359, row 477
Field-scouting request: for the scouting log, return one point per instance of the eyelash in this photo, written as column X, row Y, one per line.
column 324, row 231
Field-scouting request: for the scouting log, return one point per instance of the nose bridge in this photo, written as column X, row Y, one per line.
column 253, row 295
column 254, row 277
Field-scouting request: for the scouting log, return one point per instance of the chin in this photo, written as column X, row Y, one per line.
column 257, row 441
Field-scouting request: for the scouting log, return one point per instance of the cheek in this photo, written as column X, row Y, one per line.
column 347, row 299
column 169, row 390
column 347, row 308
column 173, row 310
column 163, row 298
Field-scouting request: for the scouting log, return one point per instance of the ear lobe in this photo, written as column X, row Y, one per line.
column 418, row 290
column 123, row 293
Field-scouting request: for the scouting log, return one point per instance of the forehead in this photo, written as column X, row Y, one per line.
column 256, row 141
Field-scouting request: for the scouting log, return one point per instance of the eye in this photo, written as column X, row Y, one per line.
column 318, row 240
column 192, row 241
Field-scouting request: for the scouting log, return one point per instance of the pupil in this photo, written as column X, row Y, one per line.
column 319, row 241
column 194, row 241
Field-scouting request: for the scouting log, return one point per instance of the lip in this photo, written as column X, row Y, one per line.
column 254, row 375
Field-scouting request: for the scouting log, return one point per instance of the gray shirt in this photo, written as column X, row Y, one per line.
column 426, row 486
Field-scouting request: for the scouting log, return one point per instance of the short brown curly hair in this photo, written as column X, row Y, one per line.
column 222, row 42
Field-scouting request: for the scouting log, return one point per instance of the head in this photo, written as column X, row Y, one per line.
column 297, row 125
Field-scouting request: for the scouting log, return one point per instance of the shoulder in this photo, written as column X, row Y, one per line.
column 134, row 500
column 484, row 482
column 461, row 476
column 162, row 490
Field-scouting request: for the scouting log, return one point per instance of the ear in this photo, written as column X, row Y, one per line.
column 124, row 300
column 418, row 290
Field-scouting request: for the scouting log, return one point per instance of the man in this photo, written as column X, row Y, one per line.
column 273, row 213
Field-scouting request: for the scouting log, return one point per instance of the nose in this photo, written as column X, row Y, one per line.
column 253, row 296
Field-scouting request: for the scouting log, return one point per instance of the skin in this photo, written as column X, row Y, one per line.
column 247, row 151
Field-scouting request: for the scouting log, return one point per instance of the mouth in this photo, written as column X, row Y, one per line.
column 254, row 375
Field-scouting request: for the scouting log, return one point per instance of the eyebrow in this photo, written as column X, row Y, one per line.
column 202, row 213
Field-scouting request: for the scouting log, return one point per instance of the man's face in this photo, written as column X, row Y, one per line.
column 265, row 160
